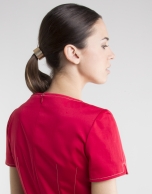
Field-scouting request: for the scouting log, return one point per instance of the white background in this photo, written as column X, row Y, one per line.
column 127, row 92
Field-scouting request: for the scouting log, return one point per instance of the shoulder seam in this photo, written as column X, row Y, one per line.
column 106, row 110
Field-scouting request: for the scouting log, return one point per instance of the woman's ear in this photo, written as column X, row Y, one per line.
column 72, row 54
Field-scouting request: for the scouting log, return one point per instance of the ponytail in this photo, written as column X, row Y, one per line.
column 36, row 80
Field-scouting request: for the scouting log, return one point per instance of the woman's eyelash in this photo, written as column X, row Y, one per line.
column 103, row 46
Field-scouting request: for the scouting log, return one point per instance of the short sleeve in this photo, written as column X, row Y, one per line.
column 104, row 149
column 9, row 161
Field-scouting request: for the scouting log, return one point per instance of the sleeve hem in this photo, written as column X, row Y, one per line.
column 124, row 172
column 8, row 164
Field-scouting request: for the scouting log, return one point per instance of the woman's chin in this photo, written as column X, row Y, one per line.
column 99, row 81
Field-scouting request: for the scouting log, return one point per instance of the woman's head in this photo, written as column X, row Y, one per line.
column 70, row 33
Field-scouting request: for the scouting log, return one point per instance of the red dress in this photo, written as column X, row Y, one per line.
column 60, row 144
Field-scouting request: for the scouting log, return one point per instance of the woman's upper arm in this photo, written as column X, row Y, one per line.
column 104, row 187
column 15, row 184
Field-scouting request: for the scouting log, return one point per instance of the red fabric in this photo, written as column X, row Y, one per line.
column 60, row 144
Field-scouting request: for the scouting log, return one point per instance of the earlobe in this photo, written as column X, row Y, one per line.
column 71, row 54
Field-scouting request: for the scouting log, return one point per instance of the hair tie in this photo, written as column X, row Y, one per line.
column 38, row 53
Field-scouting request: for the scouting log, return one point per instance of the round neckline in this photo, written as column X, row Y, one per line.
column 58, row 94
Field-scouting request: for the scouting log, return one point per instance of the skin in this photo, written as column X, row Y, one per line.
column 84, row 65
column 80, row 67
column 15, row 184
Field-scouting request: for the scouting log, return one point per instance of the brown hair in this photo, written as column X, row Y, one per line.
column 65, row 24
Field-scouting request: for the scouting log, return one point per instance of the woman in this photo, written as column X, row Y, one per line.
column 56, row 143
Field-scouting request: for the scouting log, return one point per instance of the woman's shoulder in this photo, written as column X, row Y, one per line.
column 94, row 108
column 34, row 103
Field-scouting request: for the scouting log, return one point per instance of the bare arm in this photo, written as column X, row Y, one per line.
column 104, row 187
column 15, row 184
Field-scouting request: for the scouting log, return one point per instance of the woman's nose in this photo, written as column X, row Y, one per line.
column 111, row 55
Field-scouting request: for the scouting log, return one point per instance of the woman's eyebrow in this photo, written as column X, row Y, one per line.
column 105, row 38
